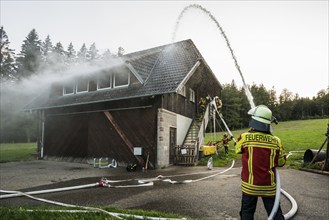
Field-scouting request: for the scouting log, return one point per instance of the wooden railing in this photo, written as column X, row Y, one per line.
column 186, row 155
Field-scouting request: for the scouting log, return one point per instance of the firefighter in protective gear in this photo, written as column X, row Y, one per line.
column 218, row 103
column 261, row 153
column 202, row 107
column 225, row 141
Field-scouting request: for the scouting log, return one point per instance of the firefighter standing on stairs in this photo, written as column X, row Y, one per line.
column 261, row 153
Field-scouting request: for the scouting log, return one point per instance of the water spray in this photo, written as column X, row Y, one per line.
column 196, row 6
column 247, row 92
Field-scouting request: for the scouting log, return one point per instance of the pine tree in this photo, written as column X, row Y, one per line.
column 46, row 50
column 58, row 57
column 260, row 94
column 272, row 103
column 47, row 47
column 59, row 49
column 7, row 62
column 71, row 54
column 107, row 56
column 121, row 51
column 232, row 99
column 286, row 105
column 92, row 53
column 29, row 59
column 82, row 54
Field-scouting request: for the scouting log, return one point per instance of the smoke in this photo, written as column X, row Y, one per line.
column 15, row 95
column 17, row 125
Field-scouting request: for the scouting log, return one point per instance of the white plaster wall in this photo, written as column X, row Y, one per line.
column 167, row 120
column 183, row 124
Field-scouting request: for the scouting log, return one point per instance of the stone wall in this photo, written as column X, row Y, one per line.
column 166, row 120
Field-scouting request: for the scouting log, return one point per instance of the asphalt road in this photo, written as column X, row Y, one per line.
column 218, row 197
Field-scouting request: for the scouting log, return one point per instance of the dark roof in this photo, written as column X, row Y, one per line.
column 161, row 70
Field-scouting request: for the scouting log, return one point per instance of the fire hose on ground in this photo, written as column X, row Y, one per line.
column 106, row 183
column 113, row 214
column 102, row 183
column 142, row 183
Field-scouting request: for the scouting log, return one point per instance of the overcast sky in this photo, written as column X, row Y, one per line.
column 280, row 44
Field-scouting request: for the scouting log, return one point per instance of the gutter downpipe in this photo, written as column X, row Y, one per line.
column 42, row 132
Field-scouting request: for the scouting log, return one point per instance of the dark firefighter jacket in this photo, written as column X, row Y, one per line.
column 261, row 154
column 225, row 141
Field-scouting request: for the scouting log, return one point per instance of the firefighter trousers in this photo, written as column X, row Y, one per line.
column 249, row 203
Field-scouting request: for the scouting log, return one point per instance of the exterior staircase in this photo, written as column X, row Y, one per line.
column 188, row 153
column 192, row 135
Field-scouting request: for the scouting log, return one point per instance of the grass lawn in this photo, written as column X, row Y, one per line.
column 17, row 152
column 47, row 213
column 295, row 136
column 59, row 213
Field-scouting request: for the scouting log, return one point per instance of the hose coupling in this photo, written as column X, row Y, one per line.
column 104, row 182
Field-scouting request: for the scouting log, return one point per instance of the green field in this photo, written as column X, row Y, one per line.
column 63, row 213
column 295, row 136
column 17, row 152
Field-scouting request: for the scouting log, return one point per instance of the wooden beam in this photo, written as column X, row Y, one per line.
column 124, row 138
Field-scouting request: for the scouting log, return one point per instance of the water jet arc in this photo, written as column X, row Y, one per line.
column 196, row 6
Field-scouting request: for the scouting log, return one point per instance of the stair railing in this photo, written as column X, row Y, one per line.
column 203, row 127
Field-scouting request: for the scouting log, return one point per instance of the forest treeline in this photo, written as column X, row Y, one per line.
column 38, row 55
column 285, row 107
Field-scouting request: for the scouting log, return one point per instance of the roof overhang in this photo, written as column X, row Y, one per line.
column 132, row 69
column 188, row 76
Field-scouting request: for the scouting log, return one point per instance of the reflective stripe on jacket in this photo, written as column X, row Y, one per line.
column 261, row 153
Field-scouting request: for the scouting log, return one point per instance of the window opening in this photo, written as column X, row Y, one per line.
column 121, row 79
column 68, row 89
column 82, row 86
column 192, row 95
column 104, row 82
